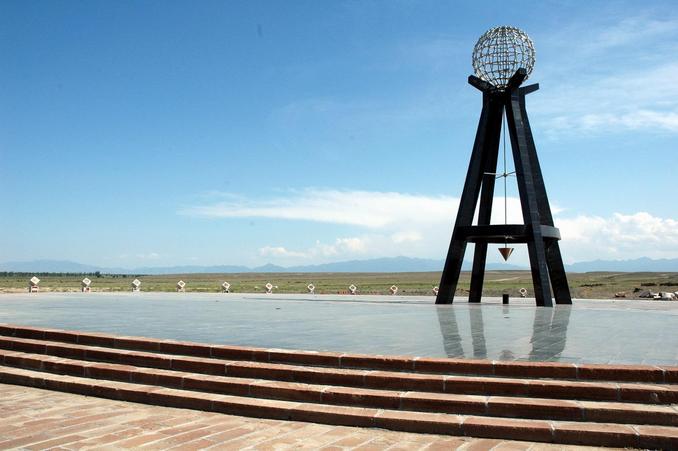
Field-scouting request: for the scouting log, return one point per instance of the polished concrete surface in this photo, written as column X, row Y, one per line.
column 592, row 331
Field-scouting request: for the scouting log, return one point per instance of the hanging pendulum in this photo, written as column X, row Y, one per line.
column 505, row 251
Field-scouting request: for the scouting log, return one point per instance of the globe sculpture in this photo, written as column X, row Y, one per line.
column 500, row 52
column 503, row 58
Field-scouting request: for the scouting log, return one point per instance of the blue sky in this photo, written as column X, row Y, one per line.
column 164, row 132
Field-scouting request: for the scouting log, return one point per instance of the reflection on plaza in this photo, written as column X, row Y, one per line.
column 503, row 337
column 618, row 332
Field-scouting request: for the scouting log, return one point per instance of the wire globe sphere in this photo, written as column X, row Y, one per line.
column 500, row 52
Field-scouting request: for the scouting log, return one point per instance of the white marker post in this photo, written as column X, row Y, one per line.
column 225, row 287
column 86, row 285
column 311, row 288
column 136, row 285
column 181, row 286
column 393, row 290
column 352, row 289
column 33, row 285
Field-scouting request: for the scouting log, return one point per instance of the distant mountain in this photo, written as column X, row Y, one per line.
column 643, row 264
column 387, row 264
column 188, row 269
column 53, row 266
column 269, row 268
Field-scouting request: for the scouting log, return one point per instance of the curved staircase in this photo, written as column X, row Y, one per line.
column 623, row 406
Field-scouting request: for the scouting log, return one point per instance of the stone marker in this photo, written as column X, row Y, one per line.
column 86, row 285
column 181, row 286
column 311, row 288
column 352, row 289
column 225, row 287
column 136, row 285
column 393, row 289
column 33, row 285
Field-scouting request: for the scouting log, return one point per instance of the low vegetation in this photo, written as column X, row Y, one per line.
column 599, row 285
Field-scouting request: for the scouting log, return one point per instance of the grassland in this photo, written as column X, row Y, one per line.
column 599, row 285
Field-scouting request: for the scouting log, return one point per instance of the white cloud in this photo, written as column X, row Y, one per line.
column 649, row 102
column 407, row 236
column 392, row 224
column 279, row 251
column 341, row 247
column 602, row 79
column 148, row 256
column 621, row 236
column 374, row 210
column 351, row 244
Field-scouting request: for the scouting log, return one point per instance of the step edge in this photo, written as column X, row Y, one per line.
column 406, row 400
column 506, row 428
column 366, row 378
column 588, row 371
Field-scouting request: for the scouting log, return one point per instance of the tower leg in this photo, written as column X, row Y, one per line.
column 478, row 272
column 528, row 198
column 542, row 289
column 451, row 271
column 469, row 199
column 561, row 289
column 485, row 208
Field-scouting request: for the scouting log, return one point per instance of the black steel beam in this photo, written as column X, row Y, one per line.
column 486, row 196
column 480, row 85
column 496, row 233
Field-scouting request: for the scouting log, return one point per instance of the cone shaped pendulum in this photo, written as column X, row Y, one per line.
column 505, row 251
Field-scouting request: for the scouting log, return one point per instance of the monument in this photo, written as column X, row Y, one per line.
column 33, row 285
column 503, row 58
column 136, row 285
column 86, row 285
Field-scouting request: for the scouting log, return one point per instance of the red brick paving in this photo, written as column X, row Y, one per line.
column 31, row 418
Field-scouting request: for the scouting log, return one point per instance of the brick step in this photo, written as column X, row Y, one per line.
column 561, row 432
column 494, row 406
column 548, row 370
column 369, row 379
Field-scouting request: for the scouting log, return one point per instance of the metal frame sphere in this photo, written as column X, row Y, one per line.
column 500, row 52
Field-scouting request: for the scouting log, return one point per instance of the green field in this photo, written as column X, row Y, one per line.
column 599, row 285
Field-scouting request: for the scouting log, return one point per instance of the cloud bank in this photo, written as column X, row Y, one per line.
column 392, row 223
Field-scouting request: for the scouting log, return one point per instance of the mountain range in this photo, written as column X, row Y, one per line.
column 386, row 264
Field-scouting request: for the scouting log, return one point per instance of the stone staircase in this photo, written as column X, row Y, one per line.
column 621, row 406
